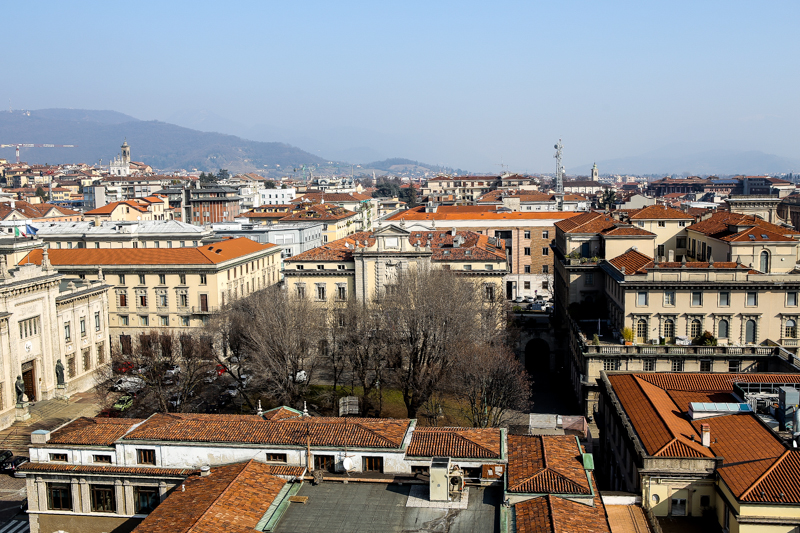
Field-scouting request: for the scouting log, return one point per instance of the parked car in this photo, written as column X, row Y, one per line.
column 5, row 456
column 128, row 384
column 124, row 403
column 14, row 464
column 172, row 371
column 530, row 299
column 519, row 299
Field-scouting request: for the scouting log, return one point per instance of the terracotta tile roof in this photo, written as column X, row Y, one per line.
column 281, row 412
column 232, row 498
column 626, row 231
column 93, row 431
column 551, row 514
column 319, row 212
column 758, row 235
column 202, row 255
column 98, row 469
column 654, row 212
column 716, row 225
column 441, row 243
column 546, row 464
column 33, row 211
column 633, row 261
column 478, row 212
column 321, row 431
column 591, row 222
column 756, row 465
column 109, row 208
column 455, row 442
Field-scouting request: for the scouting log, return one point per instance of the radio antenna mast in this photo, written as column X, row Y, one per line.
column 559, row 169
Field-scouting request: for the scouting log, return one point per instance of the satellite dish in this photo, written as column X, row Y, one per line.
column 555, row 146
column 347, row 464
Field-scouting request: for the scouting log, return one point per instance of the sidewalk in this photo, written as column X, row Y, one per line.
column 47, row 414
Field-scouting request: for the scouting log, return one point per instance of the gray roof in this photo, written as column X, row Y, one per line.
column 147, row 227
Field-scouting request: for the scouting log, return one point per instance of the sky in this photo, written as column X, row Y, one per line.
column 476, row 85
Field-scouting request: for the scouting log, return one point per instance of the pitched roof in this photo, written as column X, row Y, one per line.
column 109, row 208
column 551, row 514
column 636, row 262
column 232, row 498
column 212, row 254
column 591, row 222
column 320, row 431
column 653, row 212
column 455, row 442
column 29, row 210
column 93, row 431
column 546, row 465
column 475, row 247
column 320, row 212
column 101, row 469
column 632, row 261
column 626, row 231
column 756, row 465
column 716, row 225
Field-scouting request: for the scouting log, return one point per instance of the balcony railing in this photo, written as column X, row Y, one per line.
column 204, row 309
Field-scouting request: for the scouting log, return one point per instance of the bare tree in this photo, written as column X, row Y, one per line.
column 278, row 334
column 431, row 316
column 489, row 381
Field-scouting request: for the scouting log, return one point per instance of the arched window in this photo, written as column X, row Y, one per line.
column 669, row 329
column 764, row 261
column 695, row 329
column 722, row 329
column 750, row 331
column 641, row 331
column 790, row 332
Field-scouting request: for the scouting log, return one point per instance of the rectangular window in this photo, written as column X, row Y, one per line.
column 527, row 269
column 677, row 365
column 145, row 457
column 588, row 280
column 662, row 224
column 705, row 365
column 185, row 321
column 67, row 332
column 276, row 457
column 324, row 462
column 545, row 269
column 320, row 292
column 122, row 279
column 724, row 299
column 123, row 300
column 103, row 459
column 97, row 321
column 610, row 364
column 373, row 464
column 141, row 279
column 142, row 300
column 184, row 300
column 58, row 457
column 680, row 242
column 101, row 354
column 83, row 327
column 183, row 279
column 103, row 500
column 144, row 320
column 527, row 251
column 162, row 300
column 649, row 365
column 488, row 292
column 162, row 279
column 527, row 234
column 123, row 320
column 791, row 299
column 341, row 293
column 163, row 320
column 87, row 359
column 734, row 365
column 545, row 235
column 527, row 285
column 59, row 497
column 660, row 252
column 752, row 299
column 682, row 223
column 545, row 251
column 669, row 298
column 203, row 279
column 641, row 298
column 145, row 499
column 697, row 299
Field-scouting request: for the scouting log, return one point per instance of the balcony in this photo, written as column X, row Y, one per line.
column 204, row 309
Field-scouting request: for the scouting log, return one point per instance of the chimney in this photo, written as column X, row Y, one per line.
column 205, row 470
column 671, row 256
column 705, row 431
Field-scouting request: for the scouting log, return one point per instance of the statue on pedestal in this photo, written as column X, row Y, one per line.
column 59, row 373
column 19, row 386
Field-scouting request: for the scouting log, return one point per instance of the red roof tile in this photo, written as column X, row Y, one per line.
column 659, row 212
column 546, row 464
column 455, row 442
column 551, row 514
column 98, row 469
column 93, row 431
column 632, row 261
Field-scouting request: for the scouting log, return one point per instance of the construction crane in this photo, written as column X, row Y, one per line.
column 18, row 146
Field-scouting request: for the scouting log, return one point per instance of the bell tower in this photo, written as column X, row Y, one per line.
column 126, row 153
column 595, row 173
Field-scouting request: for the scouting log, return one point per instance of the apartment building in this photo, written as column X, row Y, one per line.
column 527, row 237
column 520, row 200
column 158, row 288
column 154, row 207
column 337, row 222
column 20, row 210
column 365, row 206
column 208, row 205
column 459, row 190
column 293, row 238
column 364, row 264
column 698, row 445
column 121, row 234
column 46, row 317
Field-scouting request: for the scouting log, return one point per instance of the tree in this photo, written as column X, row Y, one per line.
column 608, row 199
column 490, row 382
column 431, row 316
column 207, row 178
column 278, row 335
column 40, row 192
column 223, row 174
column 270, row 184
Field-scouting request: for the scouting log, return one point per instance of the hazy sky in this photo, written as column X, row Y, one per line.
column 466, row 84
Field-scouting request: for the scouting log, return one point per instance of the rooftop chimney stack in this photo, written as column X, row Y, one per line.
column 705, row 431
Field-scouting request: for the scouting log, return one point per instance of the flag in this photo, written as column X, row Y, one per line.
column 17, row 232
column 30, row 230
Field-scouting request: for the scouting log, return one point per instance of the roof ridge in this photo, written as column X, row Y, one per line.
column 550, row 512
column 653, row 405
column 221, row 494
column 481, row 446
column 764, row 475
column 379, row 436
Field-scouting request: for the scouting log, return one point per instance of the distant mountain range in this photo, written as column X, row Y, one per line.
column 670, row 160
column 99, row 134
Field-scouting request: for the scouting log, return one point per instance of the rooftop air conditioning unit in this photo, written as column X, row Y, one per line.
column 446, row 480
